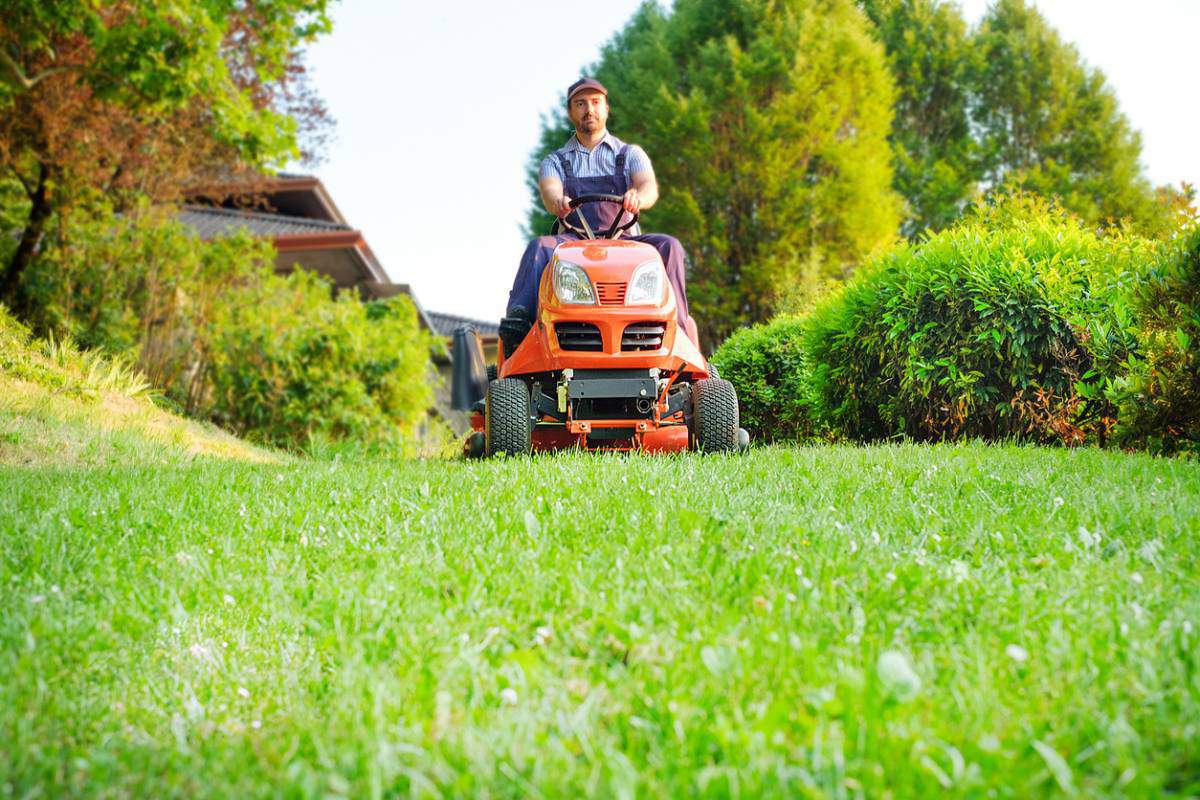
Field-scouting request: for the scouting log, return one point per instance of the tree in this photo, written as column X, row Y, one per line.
column 767, row 122
column 134, row 98
column 934, row 64
column 1050, row 124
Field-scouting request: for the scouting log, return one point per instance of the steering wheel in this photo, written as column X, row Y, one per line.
column 586, row 232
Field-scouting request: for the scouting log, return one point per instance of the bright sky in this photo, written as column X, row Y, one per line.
column 437, row 108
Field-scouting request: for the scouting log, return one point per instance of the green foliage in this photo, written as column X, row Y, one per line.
column 1006, row 325
column 290, row 364
column 1158, row 397
column 63, row 366
column 934, row 62
column 158, row 59
column 135, row 100
column 767, row 126
column 767, row 365
column 1050, row 124
column 141, row 285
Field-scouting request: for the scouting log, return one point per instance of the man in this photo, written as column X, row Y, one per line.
column 593, row 161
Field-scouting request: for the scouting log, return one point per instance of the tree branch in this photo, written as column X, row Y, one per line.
column 16, row 76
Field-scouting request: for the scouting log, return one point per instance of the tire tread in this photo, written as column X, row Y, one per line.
column 715, row 415
column 507, row 418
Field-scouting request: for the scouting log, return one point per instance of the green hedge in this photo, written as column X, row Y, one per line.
column 1014, row 324
column 1158, row 396
column 290, row 365
column 767, row 364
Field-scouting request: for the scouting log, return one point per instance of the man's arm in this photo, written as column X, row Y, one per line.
column 644, row 193
column 553, row 198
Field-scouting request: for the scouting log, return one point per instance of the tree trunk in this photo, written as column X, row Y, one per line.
column 12, row 290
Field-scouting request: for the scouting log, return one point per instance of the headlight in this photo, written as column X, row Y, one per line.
column 571, row 284
column 647, row 284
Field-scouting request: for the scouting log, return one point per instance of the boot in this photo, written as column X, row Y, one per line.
column 514, row 328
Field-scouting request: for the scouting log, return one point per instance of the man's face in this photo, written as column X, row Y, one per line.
column 588, row 111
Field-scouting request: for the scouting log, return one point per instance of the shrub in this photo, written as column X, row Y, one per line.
column 1158, row 397
column 1005, row 326
column 289, row 364
column 767, row 366
column 140, row 285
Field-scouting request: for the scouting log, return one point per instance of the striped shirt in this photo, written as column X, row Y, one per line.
column 600, row 160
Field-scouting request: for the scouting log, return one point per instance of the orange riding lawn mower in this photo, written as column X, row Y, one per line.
column 606, row 365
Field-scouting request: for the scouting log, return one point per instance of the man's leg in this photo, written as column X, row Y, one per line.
column 673, row 259
column 522, row 298
column 529, row 274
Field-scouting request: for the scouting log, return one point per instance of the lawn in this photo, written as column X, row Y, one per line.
column 901, row 621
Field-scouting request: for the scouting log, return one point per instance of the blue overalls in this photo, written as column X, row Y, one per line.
column 600, row 217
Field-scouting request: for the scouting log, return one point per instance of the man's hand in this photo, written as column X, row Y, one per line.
column 632, row 201
column 564, row 206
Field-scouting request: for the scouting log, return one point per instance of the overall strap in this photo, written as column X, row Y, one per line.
column 565, row 163
column 619, row 170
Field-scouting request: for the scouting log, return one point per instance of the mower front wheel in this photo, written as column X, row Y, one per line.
column 714, row 416
column 507, row 418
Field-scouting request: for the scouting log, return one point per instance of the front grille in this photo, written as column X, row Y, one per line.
column 643, row 336
column 578, row 336
column 611, row 294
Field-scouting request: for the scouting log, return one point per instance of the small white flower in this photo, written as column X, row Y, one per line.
column 1088, row 539
column 791, row 598
column 1058, row 502
column 1187, row 627
column 242, row 510
column 891, row 576
column 243, row 692
column 799, row 572
column 256, row 724
column 959, row 571
column 1017, row 653
column 37, row 598
column 897, row 675
column 1136, row 577
column 198, row 651
column 54, row 589
column 853, row 547
column 543, row 634
column 228, row 598
column 509, row 696
column 210, row 551
column 807, row 583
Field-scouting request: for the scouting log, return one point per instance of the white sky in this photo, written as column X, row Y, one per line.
column 437, row 103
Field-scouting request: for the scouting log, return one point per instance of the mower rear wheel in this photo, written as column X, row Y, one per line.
column 507, row 418
column 714, row 415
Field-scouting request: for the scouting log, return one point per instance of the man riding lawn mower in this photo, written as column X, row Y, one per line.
column 598, row 350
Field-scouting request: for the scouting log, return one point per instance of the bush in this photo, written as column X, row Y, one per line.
column 1007, row 325
column 140, row 285
column 1158, row 397
column 290, row 364
column 767, row 366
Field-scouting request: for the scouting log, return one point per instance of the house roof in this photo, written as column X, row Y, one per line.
column 445, row 325
column 210, row 222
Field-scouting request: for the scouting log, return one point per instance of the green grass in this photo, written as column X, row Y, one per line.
column 832, row 621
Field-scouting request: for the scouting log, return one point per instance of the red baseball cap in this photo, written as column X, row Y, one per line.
column 585, row 83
